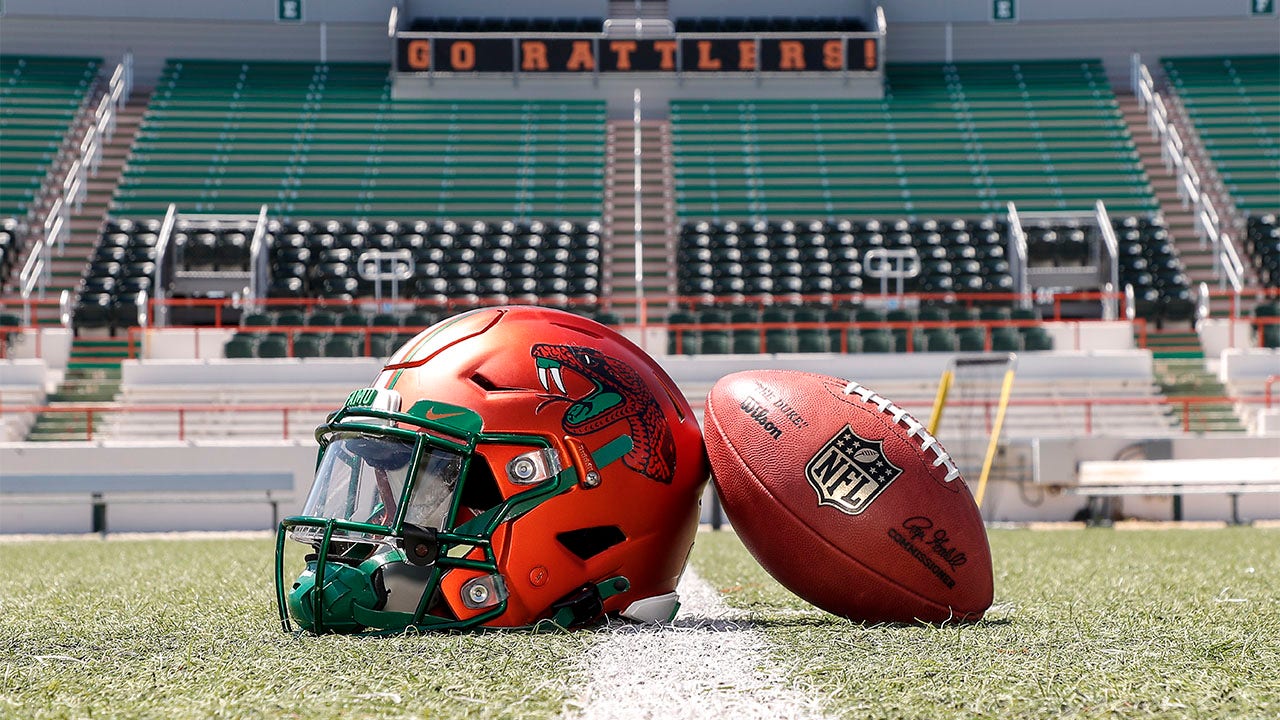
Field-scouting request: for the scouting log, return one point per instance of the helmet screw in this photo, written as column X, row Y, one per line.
column 538, row 576
column 592, row 479
column 478, row 593
column 523, row 469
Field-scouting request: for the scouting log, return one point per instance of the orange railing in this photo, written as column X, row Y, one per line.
column 180, row 412
column 1186, row 407
column 1233, row 315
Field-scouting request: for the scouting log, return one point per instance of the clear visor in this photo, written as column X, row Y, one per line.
column 364, row 478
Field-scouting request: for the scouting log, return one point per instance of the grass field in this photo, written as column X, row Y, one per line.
column 1099, row 623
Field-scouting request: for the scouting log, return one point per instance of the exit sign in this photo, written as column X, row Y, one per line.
column 288, row 11
column 1004, row 11
column 1262, row 7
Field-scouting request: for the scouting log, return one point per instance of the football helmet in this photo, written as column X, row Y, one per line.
column 509, row 466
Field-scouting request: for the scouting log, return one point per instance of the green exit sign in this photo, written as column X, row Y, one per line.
column 289, row 11
column 1004, row 11
column 1262, row 7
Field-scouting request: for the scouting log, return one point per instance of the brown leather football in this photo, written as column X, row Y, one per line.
column 846, row 499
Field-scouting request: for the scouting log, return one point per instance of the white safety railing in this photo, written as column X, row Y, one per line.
column 161, row 318
column 1018, row 254
column 1112, row 246
column 83, row 164
column 1173, row 152
column 259, row 260
column 64, row 308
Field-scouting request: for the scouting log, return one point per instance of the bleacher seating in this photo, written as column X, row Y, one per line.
column 731, row 268
column 1048, row 398
column 346, row 330
column 1262, row 243
column 1234, row 103
column 39, row 98
column 795, row 287
column 10, row 244
column 228, row 400
column 783, row 259
column 121, row 269
column 1149, row 262
column 329, row 141
column 453, row 263
column 947, row 140
column 1268, row 327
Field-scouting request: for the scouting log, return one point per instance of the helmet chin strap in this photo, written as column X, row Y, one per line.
column 586, row 604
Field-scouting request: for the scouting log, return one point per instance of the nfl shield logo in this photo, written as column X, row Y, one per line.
column 850, row 471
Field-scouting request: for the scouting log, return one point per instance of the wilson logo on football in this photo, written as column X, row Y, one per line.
column 850, row 472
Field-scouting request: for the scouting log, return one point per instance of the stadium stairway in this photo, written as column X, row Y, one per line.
column 86, row 224
column 92, row 378
column 657, row 213
column 1180, row 222
column 1180, row 377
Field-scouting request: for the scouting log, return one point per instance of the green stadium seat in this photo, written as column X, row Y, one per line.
column 877, row 341
column 241, row 345
column 307, row 346
column 273, row 346
column 971, row 339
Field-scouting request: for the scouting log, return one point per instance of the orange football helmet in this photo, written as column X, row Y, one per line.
column 509, row 466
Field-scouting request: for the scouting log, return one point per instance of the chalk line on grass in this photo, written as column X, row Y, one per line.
column 710, row 663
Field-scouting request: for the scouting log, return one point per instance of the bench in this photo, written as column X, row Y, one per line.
column 1100, row 481
column 103, row 489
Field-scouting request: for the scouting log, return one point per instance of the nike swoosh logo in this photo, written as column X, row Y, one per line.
column 431, row 414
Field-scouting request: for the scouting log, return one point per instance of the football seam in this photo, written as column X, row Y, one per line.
column 810, row 531
column 917, row 435
column 897, row 428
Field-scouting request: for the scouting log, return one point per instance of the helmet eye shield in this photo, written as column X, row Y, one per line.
column 363, row 478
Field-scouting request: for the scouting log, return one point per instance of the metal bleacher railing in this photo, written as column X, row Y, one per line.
column 99, row 127
column 1177, row 158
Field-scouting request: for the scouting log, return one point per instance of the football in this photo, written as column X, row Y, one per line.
column 846, row 499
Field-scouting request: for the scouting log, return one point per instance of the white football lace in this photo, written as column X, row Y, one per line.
column 914, row 428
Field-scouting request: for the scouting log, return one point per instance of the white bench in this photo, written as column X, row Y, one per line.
column 1102, row 480
column 101, row 490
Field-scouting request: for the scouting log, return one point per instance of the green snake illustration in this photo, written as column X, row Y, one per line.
column 620, row 395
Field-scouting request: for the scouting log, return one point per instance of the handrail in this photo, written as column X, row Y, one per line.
column 1202, row 301
column 161, row 315
column 182, row 410
column 136, row 335
column 64, row 308
column 258, row 258
column 140, row 303
column 1174, row 152
column 1018, row 252
column 655, row 300
column 1112, row 246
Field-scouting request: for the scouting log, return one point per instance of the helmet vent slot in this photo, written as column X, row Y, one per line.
column 488, row 385
column 580, row 329
column 586, row 543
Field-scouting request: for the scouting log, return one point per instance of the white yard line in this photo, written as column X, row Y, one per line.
column 709, row 663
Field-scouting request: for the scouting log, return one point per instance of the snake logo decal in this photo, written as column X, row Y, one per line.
column 620, row 395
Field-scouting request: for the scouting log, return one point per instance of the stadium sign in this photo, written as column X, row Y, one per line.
column 424, row 53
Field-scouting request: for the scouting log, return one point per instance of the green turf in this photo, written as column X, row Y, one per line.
column 188, row 629
column 1098, row 623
